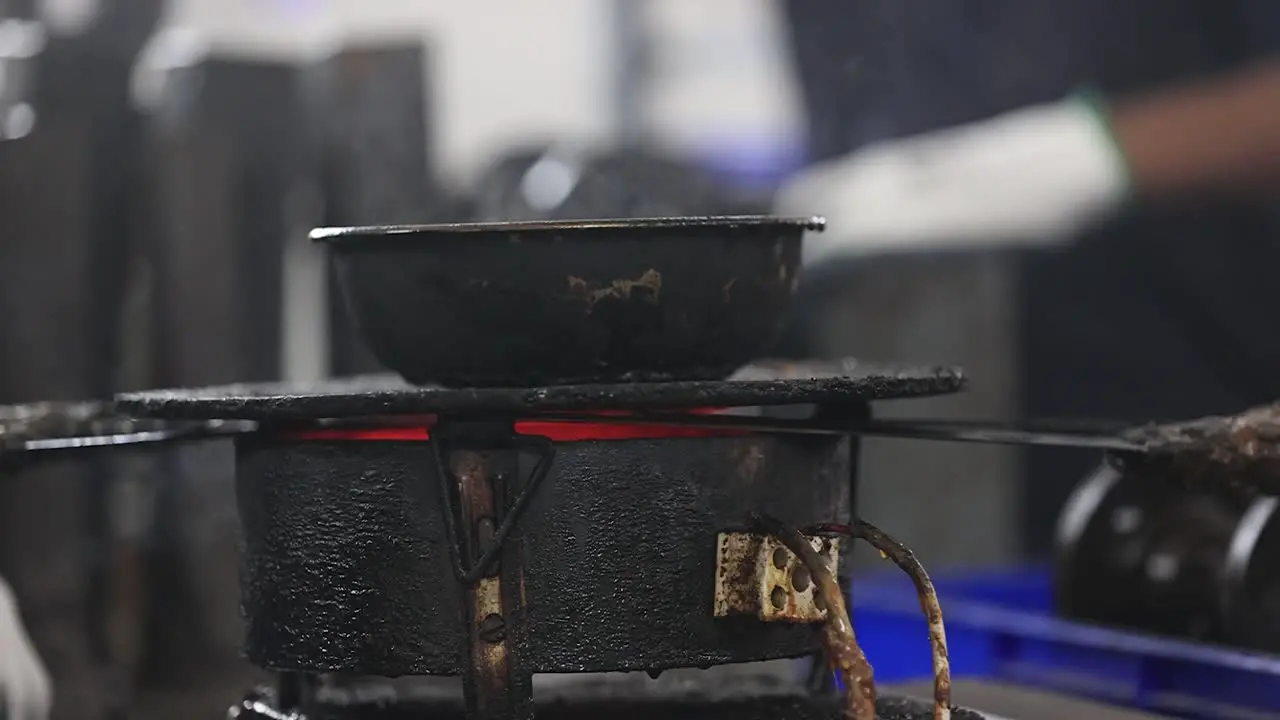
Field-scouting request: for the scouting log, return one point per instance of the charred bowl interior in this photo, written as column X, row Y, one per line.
column 545, row 303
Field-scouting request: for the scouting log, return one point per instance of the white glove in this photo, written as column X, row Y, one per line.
column 26, row 693
column 1035, row 176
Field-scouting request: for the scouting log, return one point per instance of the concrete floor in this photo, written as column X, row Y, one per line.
column 1011, row 702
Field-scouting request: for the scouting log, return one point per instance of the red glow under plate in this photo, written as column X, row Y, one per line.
column 555, row 430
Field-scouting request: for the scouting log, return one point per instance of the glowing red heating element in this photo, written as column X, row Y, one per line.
column 555, row 430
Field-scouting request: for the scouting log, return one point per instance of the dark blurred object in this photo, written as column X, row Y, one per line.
column 523, row 304
column 18, row 9
column 226, row 139
column 1135, row 550
column 564, row 182
column 371, row 115
column 370, row 107
column 1252, row 579
column 22, row 47
column 124, row 25
column 51, row 349
column 226, row 143
column 71, row 171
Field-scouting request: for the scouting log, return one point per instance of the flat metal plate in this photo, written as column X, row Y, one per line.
column 765, row 383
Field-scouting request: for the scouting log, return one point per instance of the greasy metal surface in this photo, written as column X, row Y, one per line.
column 740, row 698
column 841, row 381
column 519, row 304
column 345, row 556
column 60, row 419
column 756, row 575
column 73, row 425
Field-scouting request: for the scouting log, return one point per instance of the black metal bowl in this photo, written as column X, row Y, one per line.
column 544, row 303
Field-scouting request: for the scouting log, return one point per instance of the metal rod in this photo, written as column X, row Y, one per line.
column 1081, row 436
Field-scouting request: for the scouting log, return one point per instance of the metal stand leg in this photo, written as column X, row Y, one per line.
column 496, row 684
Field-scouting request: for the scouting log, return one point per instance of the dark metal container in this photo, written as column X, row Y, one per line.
column 530, row 303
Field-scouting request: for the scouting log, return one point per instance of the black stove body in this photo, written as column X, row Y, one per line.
column 392, row 530
column 608, row 560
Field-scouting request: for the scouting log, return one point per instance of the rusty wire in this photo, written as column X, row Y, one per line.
column 906, row 560
column 839, row 641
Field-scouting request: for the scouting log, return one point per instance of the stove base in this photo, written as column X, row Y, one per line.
column 750, row 698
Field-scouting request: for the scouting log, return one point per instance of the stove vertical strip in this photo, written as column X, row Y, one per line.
column 514, row 491
column 496, row 686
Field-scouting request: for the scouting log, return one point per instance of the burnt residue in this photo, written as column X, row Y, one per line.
column 844, row 382
column 736, row 573
column 533, row 304
column 1237, row 454
column 647, row 289
column 748, row 460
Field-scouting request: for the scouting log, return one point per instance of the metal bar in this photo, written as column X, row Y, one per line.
column 491, row 686
column 1074, row 435
column 998, row 434
column 1099, row 436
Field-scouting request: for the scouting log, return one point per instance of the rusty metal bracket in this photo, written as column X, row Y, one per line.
column 757, row 576
column 496, row 684
column 486, row 557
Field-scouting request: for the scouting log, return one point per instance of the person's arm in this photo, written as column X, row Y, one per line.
column 1040, row 175
column 1219, row 135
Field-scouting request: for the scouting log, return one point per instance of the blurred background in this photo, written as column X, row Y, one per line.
column 161, row 163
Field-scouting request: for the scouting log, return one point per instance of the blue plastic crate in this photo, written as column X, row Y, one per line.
column 1000, row 627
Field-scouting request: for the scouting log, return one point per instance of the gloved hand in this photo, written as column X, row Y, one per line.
column 26, row 693
column 1034, row 176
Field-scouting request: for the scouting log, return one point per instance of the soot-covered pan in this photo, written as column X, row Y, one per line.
column 556, row 302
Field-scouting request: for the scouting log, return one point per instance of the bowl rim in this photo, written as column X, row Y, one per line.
column 358, row 234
